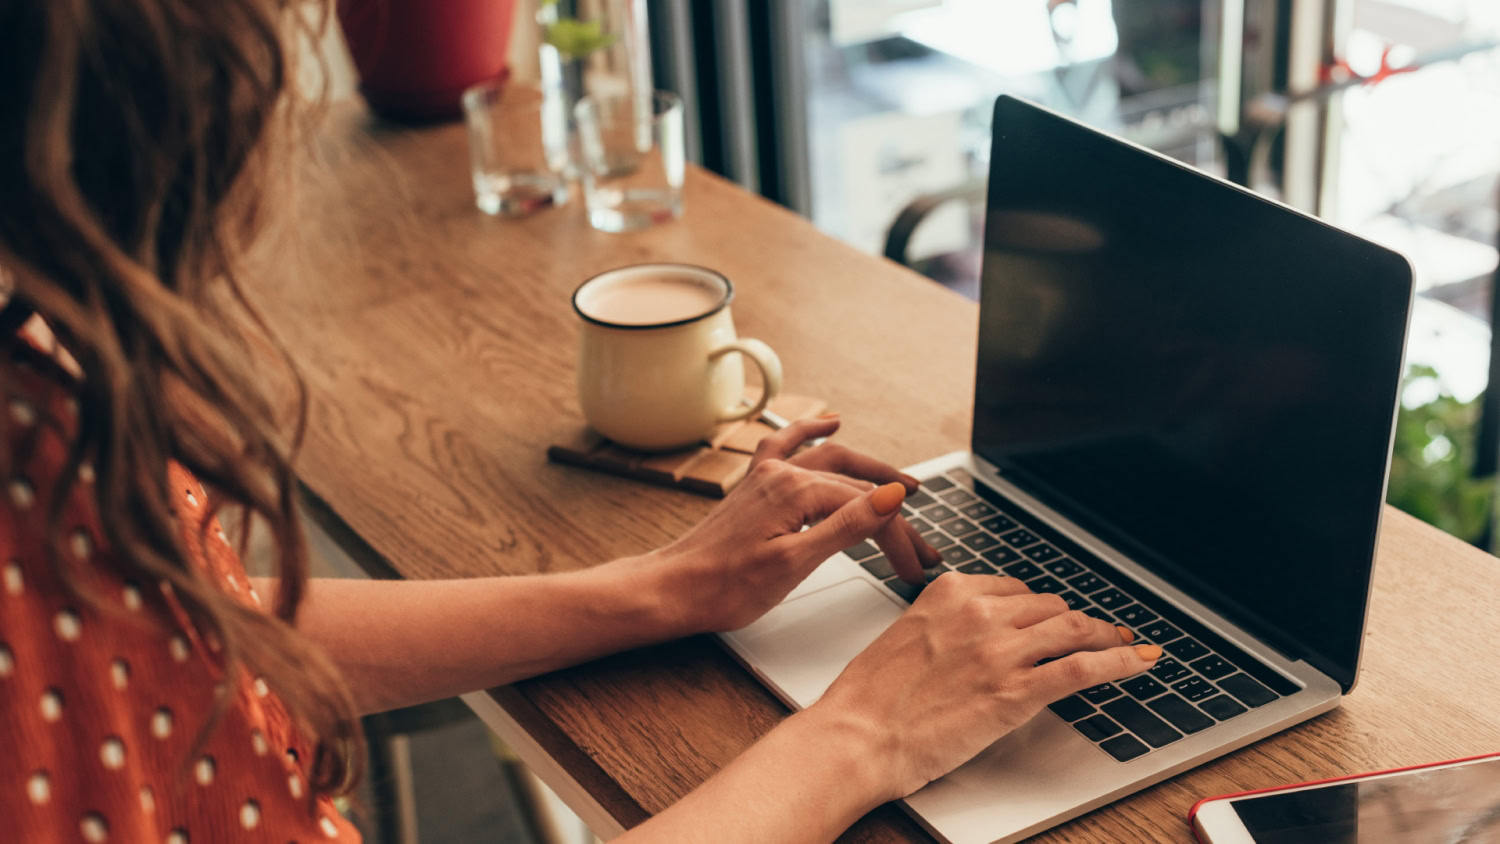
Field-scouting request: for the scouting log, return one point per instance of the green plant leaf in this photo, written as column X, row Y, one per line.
column 575, row 38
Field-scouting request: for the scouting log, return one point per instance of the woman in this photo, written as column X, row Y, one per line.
column 150, row 690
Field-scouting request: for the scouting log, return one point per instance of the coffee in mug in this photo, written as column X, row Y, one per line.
column 659, row 364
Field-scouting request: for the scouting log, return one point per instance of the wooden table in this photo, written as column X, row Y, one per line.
column 438, row 345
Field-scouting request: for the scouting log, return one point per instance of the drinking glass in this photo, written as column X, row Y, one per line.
column 518, row 148
column 632, row 159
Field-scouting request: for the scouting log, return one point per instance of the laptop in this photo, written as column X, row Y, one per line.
column 1184, row 403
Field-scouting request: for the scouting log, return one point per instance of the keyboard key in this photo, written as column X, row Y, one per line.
column 1159, row 631
column 979, row 541
column 1003, row 555
column 978, row 511
column 962, row 477
column 1213, row 667
column 862, row 551
column 958, row 527
column 1087, row 583
column 1097, row 728
column 939, row 540
column 1142, row 687
column 1100, row 693
column 1024, row 570
column 1169, row 670
column 1063, row 568
column 1195, row 688
column 957, row 497
column 908, row 592
column 998, row 524
column 1099, row 614
column 920, row 499
column 1111, row 598
column 1136, row 615
column 1222, row 707
column 1042, row 552
column 1187, row 649
column 1250, row 692
column 937, row 484
column 878, row 566
column 1124, row 748
column 957, row 555
column 1046, row 583
column 1074, row 600
column 1134, row 717
column 1180, row 714
column 1071, row 708
column 1020, row 538
column 976, row 567
column 937, row 515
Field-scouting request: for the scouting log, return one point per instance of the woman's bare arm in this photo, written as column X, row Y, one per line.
column 400, row 643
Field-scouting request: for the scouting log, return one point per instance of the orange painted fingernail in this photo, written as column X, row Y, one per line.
column 1125, row 634
column 887, row 498
column 829, row 415
column 1148, row 652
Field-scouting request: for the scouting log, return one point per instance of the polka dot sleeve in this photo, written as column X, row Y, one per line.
column 100, row 704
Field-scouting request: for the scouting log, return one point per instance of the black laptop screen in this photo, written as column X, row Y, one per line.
column 1203, row 379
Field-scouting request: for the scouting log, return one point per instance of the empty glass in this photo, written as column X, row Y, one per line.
column 632, row 159
column 518, row 147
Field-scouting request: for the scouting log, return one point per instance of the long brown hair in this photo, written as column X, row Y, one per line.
column 138, row 139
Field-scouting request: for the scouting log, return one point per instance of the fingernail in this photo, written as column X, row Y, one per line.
column 910, row 481
column 933, row 557
column 829, row 415
column 887, row 498
column 1148, row 652
column 1125, row 634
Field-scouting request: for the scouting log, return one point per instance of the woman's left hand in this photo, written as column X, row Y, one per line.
column 752, row 550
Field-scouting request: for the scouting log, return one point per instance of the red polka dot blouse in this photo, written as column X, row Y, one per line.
column 98, row 712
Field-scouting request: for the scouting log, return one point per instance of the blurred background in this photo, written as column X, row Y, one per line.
column 871, row 117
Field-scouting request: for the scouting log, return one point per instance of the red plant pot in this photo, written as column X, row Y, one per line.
column 416, row 57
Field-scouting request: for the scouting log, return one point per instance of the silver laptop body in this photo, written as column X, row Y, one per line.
column 1046, row 772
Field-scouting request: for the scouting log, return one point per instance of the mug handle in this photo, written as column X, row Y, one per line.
column 770, row 373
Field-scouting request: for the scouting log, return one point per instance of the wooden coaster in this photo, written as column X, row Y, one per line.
column 711, row 468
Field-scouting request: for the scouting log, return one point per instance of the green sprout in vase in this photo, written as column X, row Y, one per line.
column 574, row 38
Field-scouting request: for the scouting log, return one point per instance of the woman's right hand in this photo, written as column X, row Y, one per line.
column 958, row 671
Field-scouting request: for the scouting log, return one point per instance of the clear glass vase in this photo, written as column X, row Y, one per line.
column 595, row 47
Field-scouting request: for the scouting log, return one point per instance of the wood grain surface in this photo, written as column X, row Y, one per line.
column 438, row 345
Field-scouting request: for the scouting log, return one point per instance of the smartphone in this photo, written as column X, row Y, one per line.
column 1456, row 801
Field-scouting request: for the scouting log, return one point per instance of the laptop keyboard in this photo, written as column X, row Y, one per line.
column 1200, row 679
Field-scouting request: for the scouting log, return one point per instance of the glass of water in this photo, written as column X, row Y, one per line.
column 518, row 147
column 632, row 159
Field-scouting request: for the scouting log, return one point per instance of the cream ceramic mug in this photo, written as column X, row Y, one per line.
column 659, row 364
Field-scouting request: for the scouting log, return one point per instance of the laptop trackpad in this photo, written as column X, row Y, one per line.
column 801, row 646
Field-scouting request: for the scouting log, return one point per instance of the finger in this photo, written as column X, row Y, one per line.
column 1025, row 610
column 898, row 539
column 856, row 483
column 925, row 552
column 1062, row 677
column 1070, row 632
column 901, row 550
column 858, row 518
column 846, row 461
column 780, row 445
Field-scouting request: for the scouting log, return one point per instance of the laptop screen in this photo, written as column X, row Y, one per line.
column 1205, row 380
